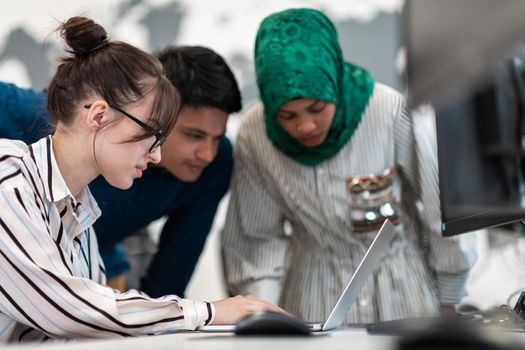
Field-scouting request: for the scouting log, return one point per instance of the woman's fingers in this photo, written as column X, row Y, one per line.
column 231, row 310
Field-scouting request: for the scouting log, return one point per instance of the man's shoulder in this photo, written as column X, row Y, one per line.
column 23, row 113
column 25, row 97
column 225, row 151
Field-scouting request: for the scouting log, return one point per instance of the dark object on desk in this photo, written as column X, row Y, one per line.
column 415, row 325
column 499, row 318
column 451, row 336
column 467, row 309
column 503, row 318
column 271, row 323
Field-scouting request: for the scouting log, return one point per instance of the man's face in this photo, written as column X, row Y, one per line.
column 193, row 142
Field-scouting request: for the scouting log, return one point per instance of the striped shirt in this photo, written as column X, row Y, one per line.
column 289, row 235
column 52, row 281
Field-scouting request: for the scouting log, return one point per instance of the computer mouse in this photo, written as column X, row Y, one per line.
column 271, row 323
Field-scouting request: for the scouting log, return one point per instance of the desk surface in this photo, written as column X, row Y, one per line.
column 337, row 339
column 345, row 338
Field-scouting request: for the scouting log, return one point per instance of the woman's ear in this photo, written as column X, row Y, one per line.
column 97, row 114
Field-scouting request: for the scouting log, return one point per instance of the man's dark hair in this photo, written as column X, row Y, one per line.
column 202, row 77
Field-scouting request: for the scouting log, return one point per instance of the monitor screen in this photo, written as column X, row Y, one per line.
column 481, row 140
column 467, row 59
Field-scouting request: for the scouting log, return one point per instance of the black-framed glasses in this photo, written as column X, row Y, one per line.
column 159, row 138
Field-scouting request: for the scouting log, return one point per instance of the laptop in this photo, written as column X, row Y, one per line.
column 338, row 314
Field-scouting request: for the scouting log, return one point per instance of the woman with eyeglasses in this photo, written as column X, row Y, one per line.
column 320, row 164
column 112, row 107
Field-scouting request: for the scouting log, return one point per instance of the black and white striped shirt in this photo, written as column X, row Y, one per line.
column 52, row 281
column 306, row 270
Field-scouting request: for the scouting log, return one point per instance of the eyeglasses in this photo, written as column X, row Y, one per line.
column 159, row 138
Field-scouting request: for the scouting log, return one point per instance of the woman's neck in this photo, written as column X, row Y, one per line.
column 74, row 157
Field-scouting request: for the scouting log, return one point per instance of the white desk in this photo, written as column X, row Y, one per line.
column 344, row 339
column 354, row 339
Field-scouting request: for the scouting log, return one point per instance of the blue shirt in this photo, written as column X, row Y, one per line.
column 190, row 207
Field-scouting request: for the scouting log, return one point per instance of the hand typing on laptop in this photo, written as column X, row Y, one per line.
column 231, row 310
column 245, row 305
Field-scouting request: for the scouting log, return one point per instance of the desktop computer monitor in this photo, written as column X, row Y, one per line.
column 467, row 58
column 481, row 154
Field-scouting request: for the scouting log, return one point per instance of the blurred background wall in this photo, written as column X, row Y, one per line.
column 369, row 32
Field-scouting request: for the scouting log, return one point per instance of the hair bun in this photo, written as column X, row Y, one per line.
column 83, row 35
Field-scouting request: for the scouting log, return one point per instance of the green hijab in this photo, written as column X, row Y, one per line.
column 297, row 55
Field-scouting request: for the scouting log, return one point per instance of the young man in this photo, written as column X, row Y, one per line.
column 186, row 186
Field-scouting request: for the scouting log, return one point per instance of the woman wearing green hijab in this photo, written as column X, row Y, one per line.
column 320, row 164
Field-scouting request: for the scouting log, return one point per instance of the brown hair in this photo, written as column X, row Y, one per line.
column 116, row 71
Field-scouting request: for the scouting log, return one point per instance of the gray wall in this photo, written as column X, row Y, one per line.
column 373, row 44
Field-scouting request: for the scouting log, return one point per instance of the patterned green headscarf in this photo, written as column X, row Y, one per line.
column 297, row 55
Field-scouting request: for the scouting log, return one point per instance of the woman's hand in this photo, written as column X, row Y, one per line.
column 231, row 310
